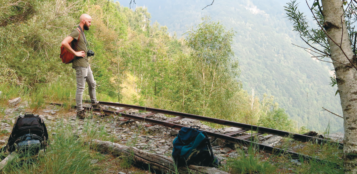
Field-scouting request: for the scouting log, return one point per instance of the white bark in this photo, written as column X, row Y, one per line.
column 345, row 76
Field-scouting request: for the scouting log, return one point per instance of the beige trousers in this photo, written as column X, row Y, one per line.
column 84, row 75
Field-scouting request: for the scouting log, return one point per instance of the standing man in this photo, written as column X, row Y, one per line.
column 81, row 64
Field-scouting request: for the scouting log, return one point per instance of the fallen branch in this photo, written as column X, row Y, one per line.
column 6, row 160
column 154, row 161
column 12, row 4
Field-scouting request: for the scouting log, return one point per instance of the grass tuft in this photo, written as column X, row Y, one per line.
column 65, row 155
column 250, row 163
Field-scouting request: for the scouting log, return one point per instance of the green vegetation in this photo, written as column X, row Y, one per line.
column 268, row 61
column 250, row 163
column 135, row 62
column 65, row 155
column 276, row 119
column 70, row 152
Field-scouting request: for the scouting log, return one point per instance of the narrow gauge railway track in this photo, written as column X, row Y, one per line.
column 239, row 140
column 245, row 127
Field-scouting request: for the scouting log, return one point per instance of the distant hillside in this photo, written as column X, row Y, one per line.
column 134, row 62
column 269, row 63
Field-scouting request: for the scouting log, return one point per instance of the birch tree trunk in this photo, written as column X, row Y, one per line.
column 345, row 76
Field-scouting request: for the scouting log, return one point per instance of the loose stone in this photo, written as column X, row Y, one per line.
column 2, row 142
column 225, row 150
column 231, row 129
column 48, row 117
column 14, row 101
column 9, row 111
column 94, row 161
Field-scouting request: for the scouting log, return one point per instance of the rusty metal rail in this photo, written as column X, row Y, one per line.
column 298, row 137
column 261, row 147
column 230, row 138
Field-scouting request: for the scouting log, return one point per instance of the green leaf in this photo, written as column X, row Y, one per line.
column 337, row 92
column 315, row 4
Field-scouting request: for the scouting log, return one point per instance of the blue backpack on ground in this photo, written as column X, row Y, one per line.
column 192, row 146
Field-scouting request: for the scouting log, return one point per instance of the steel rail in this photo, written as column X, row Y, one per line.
column 262, row 147
column 298, row 137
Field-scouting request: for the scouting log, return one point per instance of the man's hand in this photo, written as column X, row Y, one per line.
column 80, row 54
column 66, row 43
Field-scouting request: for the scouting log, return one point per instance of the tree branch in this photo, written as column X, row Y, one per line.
column 325, row 54
column 314, row 56
column 131, row 1
column 313, row 46
column 317, row 58
column 342, row 29
column 313, row 39
column 354, row 45
column 349, row 4
column 355, row 8
column 318, row 4
column 322, row 60
column 208, row 5
column 330, row 37
column 332, row 112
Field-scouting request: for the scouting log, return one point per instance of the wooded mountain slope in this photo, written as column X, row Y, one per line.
column 268, row 61
column 135, row 62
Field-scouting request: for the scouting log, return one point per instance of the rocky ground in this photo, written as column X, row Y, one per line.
column 145, row 136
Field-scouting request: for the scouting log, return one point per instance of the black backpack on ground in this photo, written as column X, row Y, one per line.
column 29, row 133
column 192, row 146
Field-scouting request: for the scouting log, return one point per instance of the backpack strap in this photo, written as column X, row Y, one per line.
column 84, row 36
column 3, row 149
column 10, row 142
column 33, row 136
column 11, row 138
column 79, row 36
column 209, row 145
column 197, row 128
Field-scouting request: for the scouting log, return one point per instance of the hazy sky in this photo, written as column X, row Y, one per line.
column 260, row 4
column 281, row 3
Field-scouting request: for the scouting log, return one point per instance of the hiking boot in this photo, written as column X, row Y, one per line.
column 96, row 105
column 81, row 114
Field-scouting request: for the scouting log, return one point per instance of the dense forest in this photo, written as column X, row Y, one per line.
column 269, row 63
column 135, row 62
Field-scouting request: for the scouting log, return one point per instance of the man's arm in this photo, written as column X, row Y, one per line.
column 66, row 43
